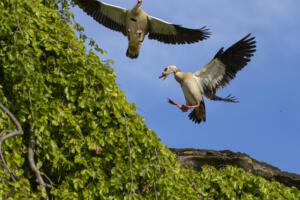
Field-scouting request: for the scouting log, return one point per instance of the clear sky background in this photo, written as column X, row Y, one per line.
column 266, row 122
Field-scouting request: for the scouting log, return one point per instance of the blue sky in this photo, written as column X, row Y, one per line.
column 266, row 122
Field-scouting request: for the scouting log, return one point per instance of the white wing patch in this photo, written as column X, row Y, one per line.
column 211, row 75
column 113, row 6
column 151, row 17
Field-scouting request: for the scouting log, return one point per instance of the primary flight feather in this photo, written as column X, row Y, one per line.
column 136, row 24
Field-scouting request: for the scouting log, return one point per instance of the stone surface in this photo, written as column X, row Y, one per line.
column 219, row 159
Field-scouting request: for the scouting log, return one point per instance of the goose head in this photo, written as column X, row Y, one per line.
column 168, row 70
column 139, row 2
column 135, row 40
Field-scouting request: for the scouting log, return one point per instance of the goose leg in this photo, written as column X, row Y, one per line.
column 182, row 107
column 178, row 105
column 185, row 108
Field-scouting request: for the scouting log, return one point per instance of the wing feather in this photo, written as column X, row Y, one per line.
column 175, row 34
column 225, row 65
column 110, row 16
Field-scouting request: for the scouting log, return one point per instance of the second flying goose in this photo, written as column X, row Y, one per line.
column 136, row 24
column 216, row 74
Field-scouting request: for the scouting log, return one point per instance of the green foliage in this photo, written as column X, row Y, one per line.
column 89, row 140
column 234, row 183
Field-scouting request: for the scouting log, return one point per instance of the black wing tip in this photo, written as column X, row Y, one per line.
column 247, row 37
column 236, row 57
column 250, row 41
column 203, row 33
column 245, row 46
column 219, row 53
column 184, row 35
column 206, row 31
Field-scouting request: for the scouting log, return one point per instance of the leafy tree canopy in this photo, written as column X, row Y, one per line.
column 89, row 141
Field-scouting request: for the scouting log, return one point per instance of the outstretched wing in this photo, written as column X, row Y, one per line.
column 224, row 66
column 110, row 16
column 175, row 34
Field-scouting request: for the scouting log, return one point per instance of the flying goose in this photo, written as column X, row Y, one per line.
column 207, row 80
column 136, row 24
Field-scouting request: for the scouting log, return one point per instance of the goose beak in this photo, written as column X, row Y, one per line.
column 163, row 76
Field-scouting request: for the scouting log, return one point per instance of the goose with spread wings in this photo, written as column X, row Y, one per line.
column 215, row 75
column 136, row 24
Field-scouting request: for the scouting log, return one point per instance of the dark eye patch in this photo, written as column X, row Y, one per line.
column 132, row 19
column 166, row 69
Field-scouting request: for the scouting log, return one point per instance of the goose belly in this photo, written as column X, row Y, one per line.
column 191, row 92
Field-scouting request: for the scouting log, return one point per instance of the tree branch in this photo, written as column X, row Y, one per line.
column 199, row 157
column 130, row 161
column 9, row 134
column 31, row 148
column 32, row 164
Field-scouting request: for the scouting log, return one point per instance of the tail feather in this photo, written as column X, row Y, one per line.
column 198, row 115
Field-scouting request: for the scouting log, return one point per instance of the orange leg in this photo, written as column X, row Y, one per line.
column 182, row 107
